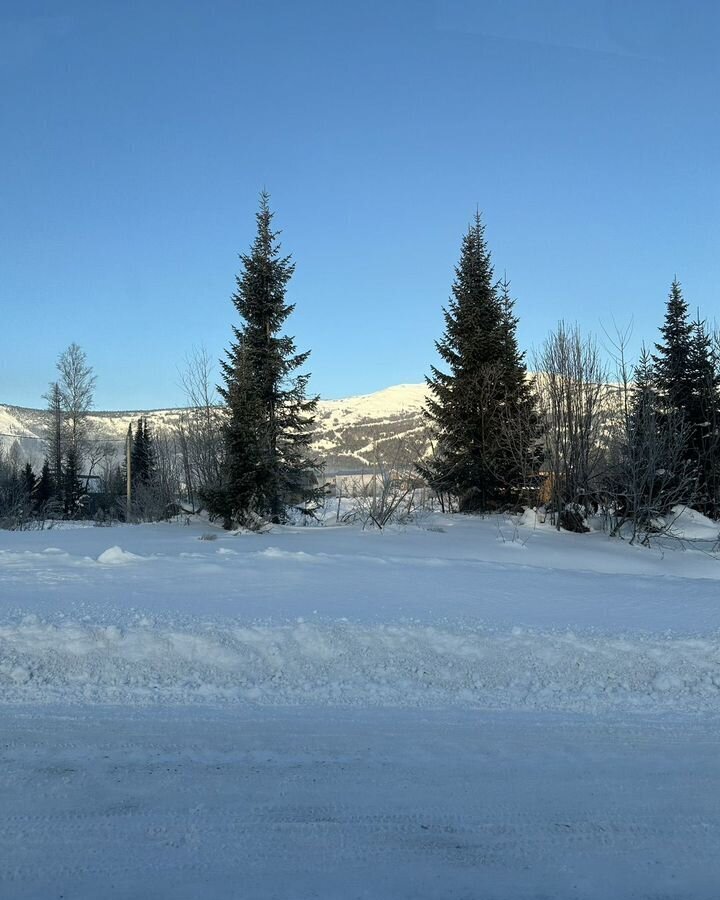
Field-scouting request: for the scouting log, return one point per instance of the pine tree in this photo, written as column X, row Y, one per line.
column 142, row 454
column 687, row 376
column 243, row 471
column 522, row 432
column 30, row 483
column 645, row 450
column 56, row 437
column 485, row 390
column 704, row 418
column 45, row 487
column 267, row 465
column 672, row 373
column 149, row 450
column 72, row 489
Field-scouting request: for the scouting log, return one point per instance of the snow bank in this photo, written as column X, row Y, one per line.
column 116, row 556
column 343, row 663
column 692, row 525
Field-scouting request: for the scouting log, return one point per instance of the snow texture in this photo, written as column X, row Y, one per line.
column 472, row 708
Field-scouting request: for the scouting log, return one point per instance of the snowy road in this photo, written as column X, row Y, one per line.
column 192, row 803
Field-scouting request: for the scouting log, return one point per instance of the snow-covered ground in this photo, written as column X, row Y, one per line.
column 470, row 708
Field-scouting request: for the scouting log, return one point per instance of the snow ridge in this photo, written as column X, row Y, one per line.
column 349, row 664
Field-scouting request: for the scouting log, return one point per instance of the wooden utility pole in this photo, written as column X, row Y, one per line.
column 128, row 454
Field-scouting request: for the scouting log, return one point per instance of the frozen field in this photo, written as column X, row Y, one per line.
column 465, row 710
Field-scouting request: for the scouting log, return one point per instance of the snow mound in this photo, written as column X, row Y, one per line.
column 692, row 525
column 350, row 664
column 116, row 556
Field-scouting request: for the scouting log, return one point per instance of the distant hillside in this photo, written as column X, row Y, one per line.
column 346, row 429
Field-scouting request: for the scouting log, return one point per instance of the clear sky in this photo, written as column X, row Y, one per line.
column 135, row 137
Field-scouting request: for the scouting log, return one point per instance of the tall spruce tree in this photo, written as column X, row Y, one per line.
column 484, row 393
column 142, row 454
column 672, row 372
column 268, row 466
column 687, row 377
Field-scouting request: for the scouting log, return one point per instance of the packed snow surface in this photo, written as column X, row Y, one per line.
column 478, row 614
column 189, row 804
column 462, row 708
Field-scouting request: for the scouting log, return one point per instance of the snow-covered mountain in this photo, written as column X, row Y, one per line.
column 346, row 431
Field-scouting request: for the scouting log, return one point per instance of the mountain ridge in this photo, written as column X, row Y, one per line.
column 345, row 435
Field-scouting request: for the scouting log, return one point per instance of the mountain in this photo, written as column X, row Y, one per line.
column 346, row 433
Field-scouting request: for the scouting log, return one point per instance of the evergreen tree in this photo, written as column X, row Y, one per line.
column 522, row 432
column 485, row 390
column 29, row 482
column 267, row 463
column 45, row 487
column 72, row 489
column 704, row 418
column 645, row 395
column 149, row 447
column 672, row 373
column 687, row 379
column 646, row 450
column 142, row 453
column 243, row 471
column 56, row 437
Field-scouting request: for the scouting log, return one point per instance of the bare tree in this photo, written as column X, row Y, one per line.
column 16, row 504
column 76, row 386
column 199, row 430
column 394, row 490
column 574, row 397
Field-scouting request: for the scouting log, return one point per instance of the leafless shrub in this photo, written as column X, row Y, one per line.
column 392, row 491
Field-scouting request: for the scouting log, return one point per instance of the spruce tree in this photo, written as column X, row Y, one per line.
column 149, row 450
column 30, row 483
column 267, row 462
column 687, row 378
column 56, row 437
column 72, row 488
column 472, row 406
column 142, row 456
column 672, row 373
column 45, row 487
column 645, row 449
column 704, row 418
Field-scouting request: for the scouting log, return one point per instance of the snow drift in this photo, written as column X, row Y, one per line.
column 353, row 664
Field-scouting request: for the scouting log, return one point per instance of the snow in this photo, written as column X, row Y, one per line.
column 393, row 804
column 384, row 404
column 116, row 556
column 402, row 403
column 468, row 707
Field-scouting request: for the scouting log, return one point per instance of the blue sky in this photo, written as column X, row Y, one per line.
column 137, row 135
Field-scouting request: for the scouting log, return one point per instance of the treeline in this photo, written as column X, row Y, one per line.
column 588, row 433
